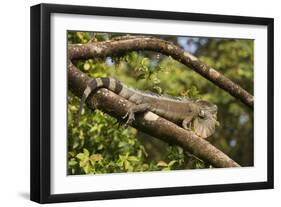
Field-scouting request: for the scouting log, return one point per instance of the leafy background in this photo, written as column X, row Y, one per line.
column 101, row 145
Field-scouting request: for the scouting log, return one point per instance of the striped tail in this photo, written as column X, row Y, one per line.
column 110, row 83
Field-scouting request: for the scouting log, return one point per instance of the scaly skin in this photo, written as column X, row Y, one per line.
column 198, row 115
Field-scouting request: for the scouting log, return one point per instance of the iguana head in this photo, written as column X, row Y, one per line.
column 205, row 123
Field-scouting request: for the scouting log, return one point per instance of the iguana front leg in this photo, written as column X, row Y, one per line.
column 186, row 123
column 135, row 109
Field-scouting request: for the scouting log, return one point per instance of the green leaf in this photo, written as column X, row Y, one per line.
column 96, row 157
column 81, row 156
column 87, row 66
column 133, row 159
column 86, row 152
column 72, row 162
column 145, row 62
column 157, row 89
column 88, row 169
column 166, row 169
column 84, row 155
column 171, row 163
column 162, row 164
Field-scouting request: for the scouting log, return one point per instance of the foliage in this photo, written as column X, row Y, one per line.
column 101, row 145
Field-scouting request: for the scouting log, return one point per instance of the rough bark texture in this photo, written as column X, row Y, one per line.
column 148, row 122
column 125, row 44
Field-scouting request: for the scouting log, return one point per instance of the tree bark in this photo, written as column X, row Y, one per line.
column 125, row 44
column 148, row 122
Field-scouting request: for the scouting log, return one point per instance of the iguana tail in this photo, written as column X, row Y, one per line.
column 110, row 83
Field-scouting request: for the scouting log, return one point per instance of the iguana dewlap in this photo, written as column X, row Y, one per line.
column 198, row 115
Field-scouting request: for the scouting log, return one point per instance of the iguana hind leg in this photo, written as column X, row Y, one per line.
column 135, row 109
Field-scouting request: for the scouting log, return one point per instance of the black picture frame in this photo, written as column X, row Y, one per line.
column 41, row 96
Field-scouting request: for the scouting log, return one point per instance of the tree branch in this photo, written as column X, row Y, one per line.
column 148, row 122
column 125, row 44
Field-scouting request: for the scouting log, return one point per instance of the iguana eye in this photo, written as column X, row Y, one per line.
column 202, row 113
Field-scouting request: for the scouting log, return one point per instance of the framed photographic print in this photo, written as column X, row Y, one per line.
column 133, row 103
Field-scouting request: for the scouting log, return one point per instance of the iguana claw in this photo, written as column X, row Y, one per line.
column 131, row 118
column 125, row 116
column 135, row 109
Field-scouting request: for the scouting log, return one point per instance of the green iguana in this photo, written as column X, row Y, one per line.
column 197, row 115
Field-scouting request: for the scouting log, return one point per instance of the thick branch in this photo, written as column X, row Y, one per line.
column 133, row 43
column 148, row 122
